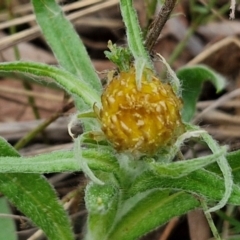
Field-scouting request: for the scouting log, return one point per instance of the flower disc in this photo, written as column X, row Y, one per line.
column 140, row 120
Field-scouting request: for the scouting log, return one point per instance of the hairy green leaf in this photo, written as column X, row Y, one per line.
column 76, row 87
column 234, row 162
column 59, row 161
column 6, row 149
column 33, row 195
column 181, row 168
column 8, row 229
column 134, row 33
column 64, row 41
column 151, row 212
column 192, row 79
column 200, row 182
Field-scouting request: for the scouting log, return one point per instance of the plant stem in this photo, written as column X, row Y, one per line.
column 226, row 223
column 210, row 220
column 158, row 23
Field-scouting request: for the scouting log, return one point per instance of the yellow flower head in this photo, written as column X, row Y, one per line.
column 140, row 120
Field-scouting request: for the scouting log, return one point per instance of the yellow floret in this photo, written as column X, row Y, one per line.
column 140, row 121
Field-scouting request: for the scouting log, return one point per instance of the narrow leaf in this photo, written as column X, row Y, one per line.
column 59, row 161
column 192, row 79
column 134, row 33
column 74, row 86
column 151, row 212
column 181, row 168
column 233, row 159
column 64, row 41
column 200, row 182
column 6, row 149
column 33, row 195
column 225, row 168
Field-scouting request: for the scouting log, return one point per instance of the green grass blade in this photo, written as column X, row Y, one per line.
column 33, row 195
column 200, row 182
column 64, row 41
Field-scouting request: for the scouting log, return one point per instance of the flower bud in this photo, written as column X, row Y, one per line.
column 140, row 120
